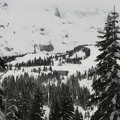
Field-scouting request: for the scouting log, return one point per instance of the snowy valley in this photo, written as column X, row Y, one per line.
column 51, row 47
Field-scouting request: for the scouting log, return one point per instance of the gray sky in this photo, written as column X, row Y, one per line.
column 87, row 3
column 101, row 2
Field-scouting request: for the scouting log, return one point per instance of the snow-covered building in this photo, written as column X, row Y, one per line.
column 61, row 72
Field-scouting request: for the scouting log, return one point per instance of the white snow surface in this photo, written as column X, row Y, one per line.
column 24, row 21
column 72, row 68
column 30, row 22
column 86, row 83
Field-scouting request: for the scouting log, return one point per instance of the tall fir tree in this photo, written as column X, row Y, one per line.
column 107, row 86
column 2, row 93
column 62, row 107
column 2, row 103
column 37, row 111
column 78, row 115
column 55, row 110
column 12, row 111
column 67, row 105
column 2, row 65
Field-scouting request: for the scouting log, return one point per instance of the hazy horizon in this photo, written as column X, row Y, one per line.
column 81, row 3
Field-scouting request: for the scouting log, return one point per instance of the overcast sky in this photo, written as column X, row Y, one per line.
column 88, row 3
column 107, row 2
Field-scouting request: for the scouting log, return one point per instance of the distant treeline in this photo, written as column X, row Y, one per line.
column 62, row 57
column 11, row 58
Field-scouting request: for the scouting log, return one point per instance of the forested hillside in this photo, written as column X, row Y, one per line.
column 59, row 61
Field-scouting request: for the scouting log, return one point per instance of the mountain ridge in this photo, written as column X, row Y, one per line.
column 28, row 26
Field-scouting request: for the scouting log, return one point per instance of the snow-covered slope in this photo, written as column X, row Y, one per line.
column 27, row 25
column 63, row 26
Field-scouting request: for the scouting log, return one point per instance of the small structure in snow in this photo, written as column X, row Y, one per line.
column 61, row 72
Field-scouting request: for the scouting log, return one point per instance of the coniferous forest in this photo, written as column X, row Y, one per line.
column 26, row 97
column 107, row 87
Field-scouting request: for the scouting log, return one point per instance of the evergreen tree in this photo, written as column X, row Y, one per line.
column 67, row 108
column 2, row 103
column 12, row 112
column 2, row 94
column 24, row 96
column 55, row 110
column 11, row 102
column 78, row 115
column 62, row 105
column 2, row 65
column 37, row 111
column 107, row 85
